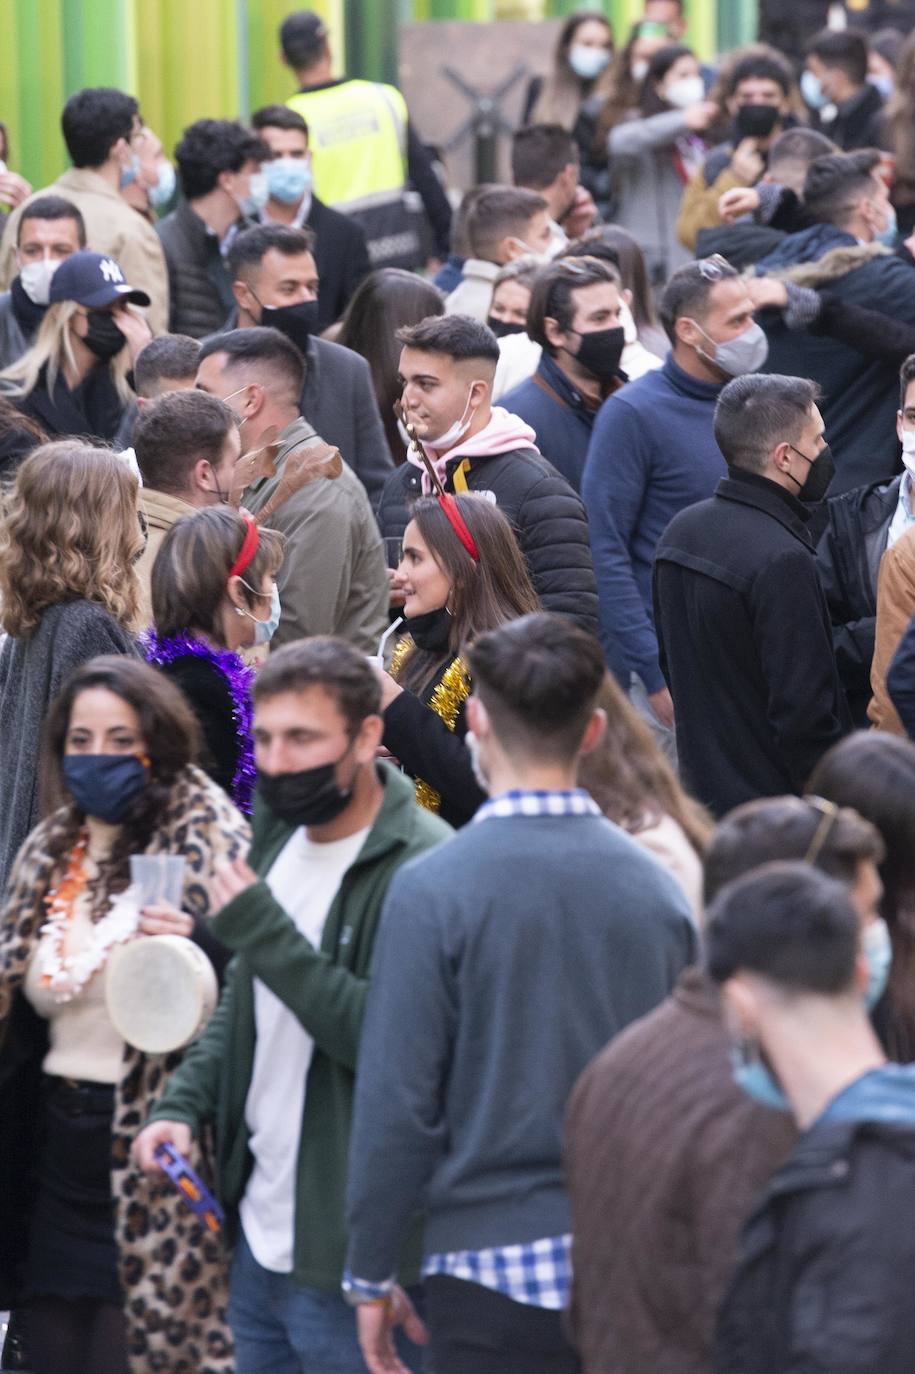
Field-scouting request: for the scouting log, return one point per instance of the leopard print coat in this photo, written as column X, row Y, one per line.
column 174, row 1272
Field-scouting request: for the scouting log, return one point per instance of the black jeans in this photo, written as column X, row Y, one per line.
column 475, row 1331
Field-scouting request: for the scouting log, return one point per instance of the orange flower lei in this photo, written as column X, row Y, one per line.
column 66, row 976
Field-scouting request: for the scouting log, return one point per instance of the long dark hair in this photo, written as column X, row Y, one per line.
column 628, row 96
column 383, row 303
column 630, row 779
column 483, row 595
column 631, row 264
column 563, row 92
column 899, row 120
column 874, row 773
column 171, row 739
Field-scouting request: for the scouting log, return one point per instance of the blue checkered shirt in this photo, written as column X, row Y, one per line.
column 574, row 802
column 537, row 1272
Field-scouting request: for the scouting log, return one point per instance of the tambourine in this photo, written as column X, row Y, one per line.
column 160, row 991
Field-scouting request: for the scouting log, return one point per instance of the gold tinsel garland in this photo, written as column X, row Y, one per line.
column 446, row 701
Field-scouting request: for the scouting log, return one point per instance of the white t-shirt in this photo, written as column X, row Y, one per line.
column 304, row 880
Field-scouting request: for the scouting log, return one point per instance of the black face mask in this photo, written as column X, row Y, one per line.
column 431, row 630
column 757, row 121
column 601, row 351
column 311, row 797
column 297, row 322
column 502, row 327
column 104, row 339
column 822, row 471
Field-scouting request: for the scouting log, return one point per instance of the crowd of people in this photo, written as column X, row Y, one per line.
column 464, row 658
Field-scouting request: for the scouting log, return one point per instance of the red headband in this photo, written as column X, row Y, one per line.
column 457, row 522
column 249, row 546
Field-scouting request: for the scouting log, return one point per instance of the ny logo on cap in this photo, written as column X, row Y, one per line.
column 110, row 270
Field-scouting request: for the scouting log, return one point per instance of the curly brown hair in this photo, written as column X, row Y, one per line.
column 70, row 529
column 171, row 739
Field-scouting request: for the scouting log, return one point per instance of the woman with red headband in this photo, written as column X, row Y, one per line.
column 213, row 593
column 461, row 573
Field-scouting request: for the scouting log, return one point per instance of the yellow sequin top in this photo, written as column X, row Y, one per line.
column 448, row 696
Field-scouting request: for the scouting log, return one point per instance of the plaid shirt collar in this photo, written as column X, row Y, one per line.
column 520, row 802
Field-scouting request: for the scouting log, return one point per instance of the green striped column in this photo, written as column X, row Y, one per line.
column 737, row 23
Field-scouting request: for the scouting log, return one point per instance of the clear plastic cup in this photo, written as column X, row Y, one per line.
column 158, row 878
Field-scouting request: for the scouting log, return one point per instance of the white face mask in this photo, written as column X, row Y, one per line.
column 454, row 433
column 639, row 69
column 908, row 451
column 689, row 90
column 36, row 280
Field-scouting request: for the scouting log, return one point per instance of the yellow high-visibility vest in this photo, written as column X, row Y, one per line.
column 357, row 133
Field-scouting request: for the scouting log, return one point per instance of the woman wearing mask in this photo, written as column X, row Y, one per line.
column 636, row 788
column 874, row 773
column 461, row 573
column 654, row 149
column 383, row 302
column 69, row 539
column 73, row 379
column 85, row 1229
column 574, row 88
column 507, row 318
column 213, row 594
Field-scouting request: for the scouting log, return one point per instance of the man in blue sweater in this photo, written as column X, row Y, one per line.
column 504, row 964
column 653, row 453
column 574, row 314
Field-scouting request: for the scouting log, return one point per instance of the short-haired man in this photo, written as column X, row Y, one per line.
column 334, row 575
column 849, row 203
column 487, row 1001
column 340, row 250
column 545, row 159
column 186, row 445
column 273, row 1072
column 102, row 129
column 275, row 282
column 49, row 230
column 743, row 626
column 827, row 1260
column 659, row 1137
column 504, row 222
column 574, row 315
column 365, row 148
column 223, row 189
column 847, row 107
column 652, row 453
column 447, row 366
column 759, row 103
column 168, row 363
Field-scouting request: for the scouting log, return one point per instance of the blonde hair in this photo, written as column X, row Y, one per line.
column 53, row 348
column 70, row 530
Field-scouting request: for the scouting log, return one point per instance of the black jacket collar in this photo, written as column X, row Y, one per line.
column 749, row 489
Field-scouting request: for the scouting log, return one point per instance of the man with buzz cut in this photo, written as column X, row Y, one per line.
column 273, row 1071
column 506, row 960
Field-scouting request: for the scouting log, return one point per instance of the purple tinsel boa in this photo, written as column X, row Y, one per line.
column 239, row 679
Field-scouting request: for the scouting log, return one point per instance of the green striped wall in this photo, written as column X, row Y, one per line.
column 188, row 58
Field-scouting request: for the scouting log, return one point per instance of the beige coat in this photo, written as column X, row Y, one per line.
column 160, row 511
column 895, row 608
column 334, row 578
column 112, row 227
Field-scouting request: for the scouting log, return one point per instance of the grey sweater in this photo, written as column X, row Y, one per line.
column 506, row 960
column 32, row 672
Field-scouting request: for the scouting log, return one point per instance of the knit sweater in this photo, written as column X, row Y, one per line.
column 652, row 453
column 505, row 960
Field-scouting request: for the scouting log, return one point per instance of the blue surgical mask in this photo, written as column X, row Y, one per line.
column 288, row 178
column 586, row 62
column 104, row 785
column 878, row 951
column 164, row 189
column 264, row 630
column 752, row 1076
column 257, row 197
column 888, row 235
column 812, row 91
column 130, row 172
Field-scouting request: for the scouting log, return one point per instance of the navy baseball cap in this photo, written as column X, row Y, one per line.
column 92, row 279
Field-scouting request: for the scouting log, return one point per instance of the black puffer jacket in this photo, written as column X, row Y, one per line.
column 848, row 560
column 547, row 516
column 200, row 292
column 827, row 1264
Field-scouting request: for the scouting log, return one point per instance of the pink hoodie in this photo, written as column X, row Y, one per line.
column 503, row 433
